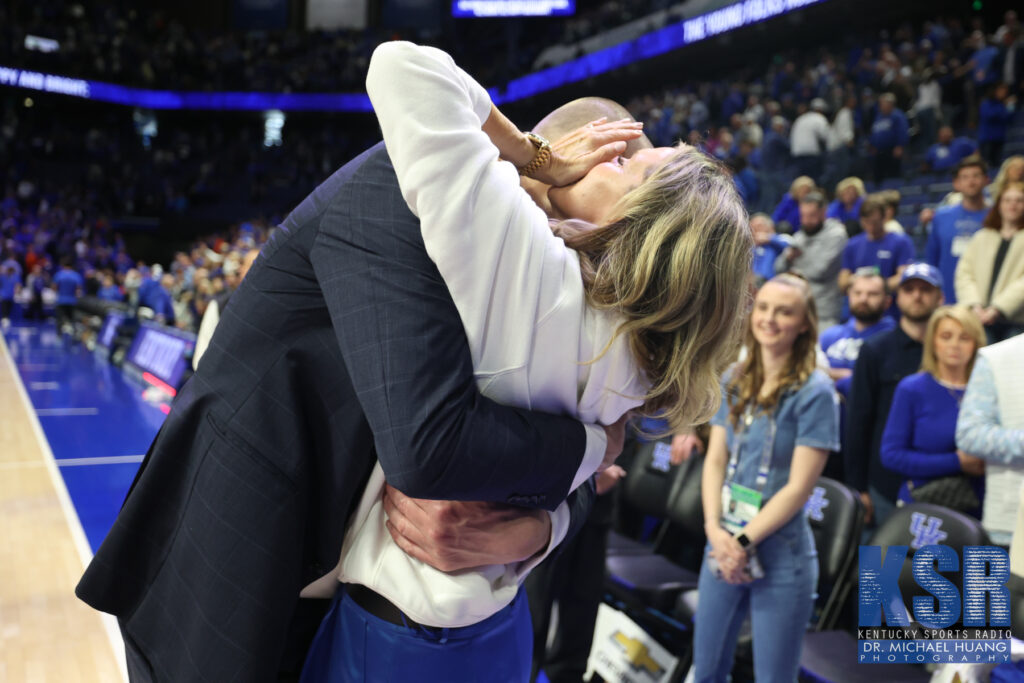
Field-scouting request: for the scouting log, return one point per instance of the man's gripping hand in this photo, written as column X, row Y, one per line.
column 616, row 435
column 454, row 535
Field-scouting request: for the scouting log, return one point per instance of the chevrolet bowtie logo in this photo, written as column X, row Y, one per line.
column 637, row 654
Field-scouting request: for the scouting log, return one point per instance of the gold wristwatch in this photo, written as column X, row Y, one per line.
column 540, row 158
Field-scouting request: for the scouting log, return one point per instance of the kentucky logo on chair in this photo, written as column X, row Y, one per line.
column 637, row 654
column 816, row 504
column 926, row 530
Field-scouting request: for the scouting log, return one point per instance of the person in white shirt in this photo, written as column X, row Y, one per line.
column 635, row 304
column 808, row 139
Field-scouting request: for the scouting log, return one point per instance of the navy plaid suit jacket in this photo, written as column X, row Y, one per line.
column 342, row 345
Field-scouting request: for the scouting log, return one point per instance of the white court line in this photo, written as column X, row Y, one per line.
column 64, row 412
column 44, row 386
column 17, row 465
column 74, row 523
column 108, row 460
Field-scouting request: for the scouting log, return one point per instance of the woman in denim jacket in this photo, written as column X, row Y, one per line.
column 778, row 421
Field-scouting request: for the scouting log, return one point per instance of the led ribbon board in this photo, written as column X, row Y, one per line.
column 656, row 43
column 512, row 8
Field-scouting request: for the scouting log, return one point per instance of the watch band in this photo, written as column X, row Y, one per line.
column 540, row 158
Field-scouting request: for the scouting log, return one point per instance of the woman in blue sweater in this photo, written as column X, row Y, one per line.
column 919, row 441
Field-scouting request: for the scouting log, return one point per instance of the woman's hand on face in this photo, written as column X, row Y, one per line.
column 574, row 155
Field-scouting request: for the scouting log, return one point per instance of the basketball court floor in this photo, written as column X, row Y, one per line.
column 73, row 430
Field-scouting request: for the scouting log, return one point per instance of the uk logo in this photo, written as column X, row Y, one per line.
column 661, row 458
column 816, row 504
column 926, row 530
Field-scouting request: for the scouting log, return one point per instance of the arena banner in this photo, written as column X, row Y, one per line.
column 671, row 37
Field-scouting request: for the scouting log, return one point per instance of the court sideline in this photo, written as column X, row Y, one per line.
column 46, row 633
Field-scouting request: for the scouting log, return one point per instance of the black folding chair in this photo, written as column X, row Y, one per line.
column 643, row 493
column 653, row 579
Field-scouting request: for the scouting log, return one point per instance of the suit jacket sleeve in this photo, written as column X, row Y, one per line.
column 405, row 349
column 860, row 418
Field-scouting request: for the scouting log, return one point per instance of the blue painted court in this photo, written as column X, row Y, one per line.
column 95, row 419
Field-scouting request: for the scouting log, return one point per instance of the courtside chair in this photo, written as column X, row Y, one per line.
column 644, row 492
column 836, row 516
column 653, row 579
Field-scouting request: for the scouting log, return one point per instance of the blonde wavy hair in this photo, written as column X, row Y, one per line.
column 854, row 182
column 745, row 384
column 1002, row 177
column 675, row 267
column 967, row 319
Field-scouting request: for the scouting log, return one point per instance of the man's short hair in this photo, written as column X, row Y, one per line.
column 872, row 273
column 887, row 97
column 871, row 205
column 763, row 216
column 814, row 197
column 972, row 161
column 582, row 111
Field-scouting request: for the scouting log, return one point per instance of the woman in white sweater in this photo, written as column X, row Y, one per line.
column 635, row 305
column 990, row 275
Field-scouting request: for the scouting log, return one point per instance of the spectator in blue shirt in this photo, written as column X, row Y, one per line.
column 787, row 213
column 845, row 207
column 953, row 226
column 888, row 252
column 889, row 137
column 110, row 291
column 767, row 246
column 160, row 300
column 745, row 180
column 948, row 151
column 774, row 161
column 10, row 283
column 994, row 116
column 919, row 441
column 69, row 287
column 841, row 343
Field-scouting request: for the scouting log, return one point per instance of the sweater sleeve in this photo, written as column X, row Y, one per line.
column 979, row 430
column 492, row 245
column 898, row 452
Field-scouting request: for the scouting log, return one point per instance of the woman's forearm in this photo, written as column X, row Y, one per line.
column 776, row 512
column 512, row 144
column 712, row 478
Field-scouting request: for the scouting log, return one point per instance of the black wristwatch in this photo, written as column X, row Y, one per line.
column 742, row 539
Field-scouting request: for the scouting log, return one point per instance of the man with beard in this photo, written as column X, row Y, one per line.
column 841, row 343
column 883, row 361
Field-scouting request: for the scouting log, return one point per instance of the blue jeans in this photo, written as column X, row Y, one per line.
column 780, row 606
column 352, row 646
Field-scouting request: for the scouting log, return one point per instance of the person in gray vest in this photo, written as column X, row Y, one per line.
column 816, row 254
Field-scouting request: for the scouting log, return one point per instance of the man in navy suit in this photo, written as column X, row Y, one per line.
column 340, row 347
